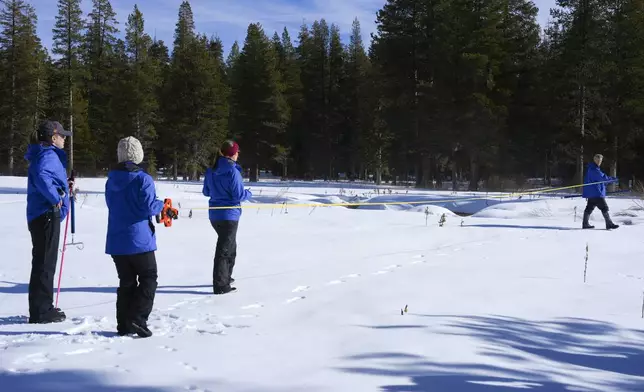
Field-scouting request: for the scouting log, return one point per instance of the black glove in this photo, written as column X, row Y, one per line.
column 172, row 213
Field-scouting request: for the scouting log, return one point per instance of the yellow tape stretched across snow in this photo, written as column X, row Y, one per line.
column 358, row 204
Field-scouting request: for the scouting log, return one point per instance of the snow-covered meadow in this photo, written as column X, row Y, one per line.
column 495, row 301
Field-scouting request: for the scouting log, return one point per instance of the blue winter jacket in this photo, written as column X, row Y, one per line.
column 225, row 187
column 131, row 201
column 594, row 174
column 46, row 180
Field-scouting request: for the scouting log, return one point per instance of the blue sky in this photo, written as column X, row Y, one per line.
column 229, row 19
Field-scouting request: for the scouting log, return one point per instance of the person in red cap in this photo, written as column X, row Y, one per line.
column 223, row 184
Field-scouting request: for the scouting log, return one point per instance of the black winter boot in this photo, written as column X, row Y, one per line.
column 609, row 223
column 54, row 315
column 586, row 225
column 141, row 329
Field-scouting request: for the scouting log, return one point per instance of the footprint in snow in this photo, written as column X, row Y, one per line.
column 300, row 289
column 253, row 306
column 120, row 369
column 80, row 351
column 238, row 316
column 188, row 366
column 34, row 358
column 334, row 282
column 295, row 299
column 194, row 388
column 168, row 349
column 352, row 276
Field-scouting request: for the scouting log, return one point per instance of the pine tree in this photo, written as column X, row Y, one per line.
column 304, row 119
column 358, row 97
column 233, row 56
column 313, row 52
column 22, row 64
column 259, row 110
column 336, row 103
column 623, row 76
column 179, row 93
column 479, row 97
column 100, row 52
column 527, row 139
column 196, row 98
column 400, row 53
column 143, row 81
column 289, row 71
column 579, row 31
column 67, row 103
column 160, row 64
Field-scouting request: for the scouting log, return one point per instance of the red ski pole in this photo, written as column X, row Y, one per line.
column 62, row 259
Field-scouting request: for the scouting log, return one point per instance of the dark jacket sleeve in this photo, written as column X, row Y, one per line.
column 44, row 181
column 148, row 197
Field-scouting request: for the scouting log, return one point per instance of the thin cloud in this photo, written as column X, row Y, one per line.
column 229, row 19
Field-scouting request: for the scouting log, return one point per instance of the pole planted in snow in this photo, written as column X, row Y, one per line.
column 586, row 264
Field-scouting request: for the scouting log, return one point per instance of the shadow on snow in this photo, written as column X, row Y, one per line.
column 563, row 349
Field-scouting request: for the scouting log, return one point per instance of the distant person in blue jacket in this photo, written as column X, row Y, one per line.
column 131, row 241
column 223, row 183
column 596, row 193
column 47, row 205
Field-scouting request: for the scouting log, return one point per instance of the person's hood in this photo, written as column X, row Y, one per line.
column 35, row 153
column 225, row 165
column 122, row 175
column 593, row 165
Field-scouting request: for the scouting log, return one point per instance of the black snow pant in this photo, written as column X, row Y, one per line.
column 134, row 300
column 45, row 238
column 225, row 254
column 598, row 202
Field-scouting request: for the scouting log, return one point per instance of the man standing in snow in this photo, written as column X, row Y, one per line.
column 131, row 241
column 596, row 193
column 47, row 205
column 223, row 183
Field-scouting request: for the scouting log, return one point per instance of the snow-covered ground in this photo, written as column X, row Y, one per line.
column 495, row 301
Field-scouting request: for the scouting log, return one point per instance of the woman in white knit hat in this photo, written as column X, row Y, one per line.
column 131, row 241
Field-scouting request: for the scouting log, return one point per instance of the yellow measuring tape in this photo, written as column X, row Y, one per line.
column 433, row 201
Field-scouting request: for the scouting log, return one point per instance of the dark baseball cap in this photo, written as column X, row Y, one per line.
column 49, row 128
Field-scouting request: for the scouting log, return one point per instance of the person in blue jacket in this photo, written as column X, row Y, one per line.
column 223, row 184
column 596, row 192
column 47, row 205
column 131, row 240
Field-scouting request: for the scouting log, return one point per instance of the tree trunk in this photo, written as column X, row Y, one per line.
column 379, row 167
column 613, row 166
column 582, row 120
column 454, row 177
column 175, row 165
column 474, row 173
column 545, row 170
column 138, row 125
column 254, row 173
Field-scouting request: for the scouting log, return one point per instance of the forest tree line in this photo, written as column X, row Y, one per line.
column 447, row 90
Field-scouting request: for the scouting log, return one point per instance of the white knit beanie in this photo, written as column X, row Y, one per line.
column 130, row 149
